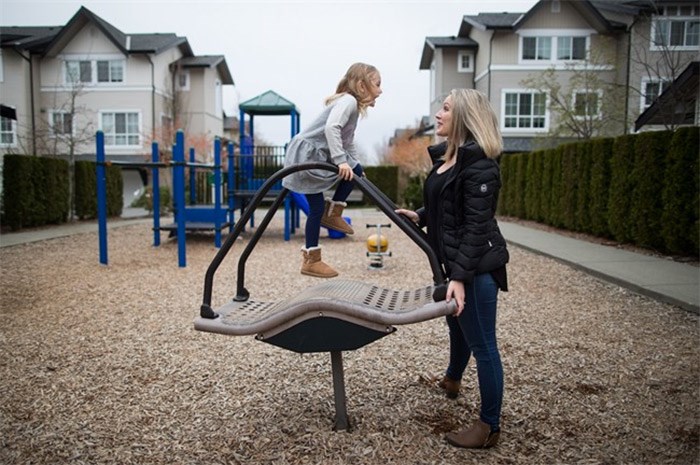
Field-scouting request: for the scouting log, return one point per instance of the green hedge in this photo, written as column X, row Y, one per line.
column 386, row 178
column 641, row 189
column 36, row 193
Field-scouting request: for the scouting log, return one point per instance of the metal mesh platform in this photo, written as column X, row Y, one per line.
column 354, row 302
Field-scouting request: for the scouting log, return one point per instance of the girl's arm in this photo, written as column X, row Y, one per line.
column 339, row 116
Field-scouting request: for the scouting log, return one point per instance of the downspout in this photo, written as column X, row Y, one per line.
column 31, row 97
column 629, row 72
column 490, row 59
column 153, row 98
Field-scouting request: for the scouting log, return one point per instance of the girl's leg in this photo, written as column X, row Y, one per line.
column 478, row 323
column 342, row 192
column 313, row 220
column 459, row 350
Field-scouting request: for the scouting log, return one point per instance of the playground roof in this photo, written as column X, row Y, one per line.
column 268, row 103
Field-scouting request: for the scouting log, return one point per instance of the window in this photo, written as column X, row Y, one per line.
column 110, row 71
column 586, row 104
column 571, row 48
column 8, row 136
column 183, row 80
column 2, row 68
column 524, row 110
column 464, row 62
column 537, row 48
column 651, row 91
column 121, row 128
column 97, row 71
column 61, row 123
column 554, row 48
column 677, row 27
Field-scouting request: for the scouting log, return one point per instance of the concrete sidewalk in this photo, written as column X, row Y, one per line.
column 657, row 277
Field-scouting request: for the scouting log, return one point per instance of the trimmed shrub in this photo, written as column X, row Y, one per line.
column 386, row 178
column 621, row 185
column 679, row 217
column 599, row 186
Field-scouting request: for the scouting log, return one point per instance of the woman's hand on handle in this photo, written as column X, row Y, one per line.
column 455, row 290
column 410, row 214
column 345, row 172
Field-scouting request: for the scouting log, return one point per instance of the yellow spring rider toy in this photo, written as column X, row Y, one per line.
column 377, row 247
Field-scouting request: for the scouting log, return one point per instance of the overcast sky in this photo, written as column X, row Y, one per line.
column 299, row 49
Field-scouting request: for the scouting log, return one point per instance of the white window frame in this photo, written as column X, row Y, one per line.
column 52, row 128
column 517, row 129
column 110, row 137
column 12, row 132
column 554, row 35
column 93, row 63
column 460, row 62
column 670, row 14
column 180, row 85
column 599, row 105
column 663, row 84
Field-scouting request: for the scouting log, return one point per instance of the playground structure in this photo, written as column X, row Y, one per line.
column 332, row 317
column 192, row 217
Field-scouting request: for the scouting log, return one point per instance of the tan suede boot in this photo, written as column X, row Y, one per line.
column 333, row 217
column 478, row 436
column 312, row 265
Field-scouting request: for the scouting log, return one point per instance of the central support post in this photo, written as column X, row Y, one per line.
column 341, row 412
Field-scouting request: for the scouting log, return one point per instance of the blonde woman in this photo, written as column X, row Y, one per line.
column 330, row 139
column 460, row 196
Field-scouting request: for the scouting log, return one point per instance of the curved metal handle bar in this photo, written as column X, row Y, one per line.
column 380, row 199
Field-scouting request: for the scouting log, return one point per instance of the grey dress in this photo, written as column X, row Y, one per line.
column 328, row 139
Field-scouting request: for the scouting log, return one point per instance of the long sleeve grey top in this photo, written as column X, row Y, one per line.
column 330, row 138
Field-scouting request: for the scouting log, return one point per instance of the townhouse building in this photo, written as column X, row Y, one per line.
column 60, row 84
column 569, row 69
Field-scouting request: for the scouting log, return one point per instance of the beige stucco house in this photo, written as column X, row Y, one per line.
column 60, row 84
column 571, row 68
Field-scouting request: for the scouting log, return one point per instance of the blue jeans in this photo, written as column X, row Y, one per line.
column 474, row 332
column 317, row 202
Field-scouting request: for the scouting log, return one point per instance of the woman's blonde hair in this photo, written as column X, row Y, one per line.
column 350, row 84
column 473, row 119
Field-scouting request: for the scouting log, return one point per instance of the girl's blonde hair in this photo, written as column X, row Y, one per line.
column 350, row 84
column 473, row 119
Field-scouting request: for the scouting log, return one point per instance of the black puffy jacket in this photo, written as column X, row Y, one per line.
column 471, row 242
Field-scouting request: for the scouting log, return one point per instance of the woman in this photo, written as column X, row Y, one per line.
column 460, row 197
column 330, row 138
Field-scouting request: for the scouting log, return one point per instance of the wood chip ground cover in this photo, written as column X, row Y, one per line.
column 101, row 364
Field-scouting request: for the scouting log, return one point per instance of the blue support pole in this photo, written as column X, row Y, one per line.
column 193, row 193
column 155, row 191
column 101, row 196
column 231, row 187
column 179, row 195
column 217, row 192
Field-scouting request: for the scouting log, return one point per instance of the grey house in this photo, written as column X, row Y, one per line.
column 569, row 69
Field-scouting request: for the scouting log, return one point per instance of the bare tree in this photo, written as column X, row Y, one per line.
column 583, row 98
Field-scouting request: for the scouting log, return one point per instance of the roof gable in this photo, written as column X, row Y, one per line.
column 431, row 43
column 208, row 61
column 126, row 43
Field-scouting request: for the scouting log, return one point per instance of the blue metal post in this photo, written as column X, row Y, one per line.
column 193, row 181
column 101, row 196
column 231, row 187
column 217, row 192
column 155, row 194
column 179, row 197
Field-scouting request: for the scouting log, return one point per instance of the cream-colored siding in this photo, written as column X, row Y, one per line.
column 14, row 90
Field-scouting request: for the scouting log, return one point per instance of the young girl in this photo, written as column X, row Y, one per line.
column 330, row 139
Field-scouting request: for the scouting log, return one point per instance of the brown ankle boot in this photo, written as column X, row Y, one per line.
column 312, row 265
column 333, row 217
column 450, row 386
column 478, row 436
